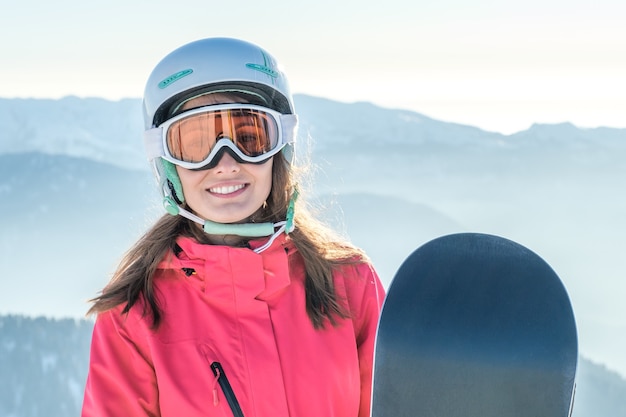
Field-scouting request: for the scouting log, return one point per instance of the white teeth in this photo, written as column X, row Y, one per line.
column 226, row 190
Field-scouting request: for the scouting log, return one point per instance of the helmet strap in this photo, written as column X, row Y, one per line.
column 173, row 181
column 239, row 229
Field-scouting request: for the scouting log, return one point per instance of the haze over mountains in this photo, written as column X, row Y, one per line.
column 76, row 192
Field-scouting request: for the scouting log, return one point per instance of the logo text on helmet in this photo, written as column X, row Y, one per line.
column 263, row 69
column 174, row 77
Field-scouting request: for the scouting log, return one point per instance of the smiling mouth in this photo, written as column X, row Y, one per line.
column 226, row 190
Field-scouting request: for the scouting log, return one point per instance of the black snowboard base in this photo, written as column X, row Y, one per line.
column 475, row 325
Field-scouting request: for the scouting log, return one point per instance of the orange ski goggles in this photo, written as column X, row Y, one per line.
column 194, row 139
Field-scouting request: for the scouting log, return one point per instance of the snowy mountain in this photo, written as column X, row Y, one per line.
column 76, row 191
column 96, row 129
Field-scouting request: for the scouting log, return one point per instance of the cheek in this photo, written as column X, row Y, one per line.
column 188, row 178
column 265, row 177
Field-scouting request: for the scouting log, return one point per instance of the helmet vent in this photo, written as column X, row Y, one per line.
column 174, row 77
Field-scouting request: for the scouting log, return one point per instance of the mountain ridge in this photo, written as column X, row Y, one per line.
column 111, row 131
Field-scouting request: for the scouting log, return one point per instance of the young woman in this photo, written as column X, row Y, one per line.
column 237, row 302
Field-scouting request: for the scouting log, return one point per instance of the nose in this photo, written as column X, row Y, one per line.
column 226, row 163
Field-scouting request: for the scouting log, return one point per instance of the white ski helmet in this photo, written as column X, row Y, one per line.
column 214, row 64
column 205, row 66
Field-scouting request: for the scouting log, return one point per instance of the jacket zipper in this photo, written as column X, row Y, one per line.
column 218, row 371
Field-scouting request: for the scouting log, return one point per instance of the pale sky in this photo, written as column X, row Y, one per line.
column 499, row 65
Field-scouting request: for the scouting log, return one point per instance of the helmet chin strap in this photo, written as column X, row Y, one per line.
column 239, row 229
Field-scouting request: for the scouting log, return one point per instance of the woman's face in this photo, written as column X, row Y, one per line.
column 230, row 192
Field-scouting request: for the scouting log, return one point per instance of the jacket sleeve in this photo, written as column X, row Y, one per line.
column 121, row 379
column 366, row 301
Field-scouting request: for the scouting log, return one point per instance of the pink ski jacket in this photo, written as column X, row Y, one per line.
column 235, row 340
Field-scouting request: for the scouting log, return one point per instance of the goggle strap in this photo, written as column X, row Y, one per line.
column 289, row 125
column 153, row 143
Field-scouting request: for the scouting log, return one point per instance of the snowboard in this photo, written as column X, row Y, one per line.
column 475, row 325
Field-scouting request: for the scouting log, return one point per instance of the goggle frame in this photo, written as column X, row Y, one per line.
column 286, row 125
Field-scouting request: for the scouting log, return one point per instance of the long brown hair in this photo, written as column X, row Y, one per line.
column 321, row 249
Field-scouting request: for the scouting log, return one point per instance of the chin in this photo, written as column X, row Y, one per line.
column 229, row 219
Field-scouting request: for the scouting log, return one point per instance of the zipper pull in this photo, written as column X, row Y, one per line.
column 216, row 371
column 227, row 390
column 216, row 398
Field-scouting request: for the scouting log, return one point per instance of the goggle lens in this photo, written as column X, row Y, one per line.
column 192, row 138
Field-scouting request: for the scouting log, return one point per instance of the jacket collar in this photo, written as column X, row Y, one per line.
column 264, row 274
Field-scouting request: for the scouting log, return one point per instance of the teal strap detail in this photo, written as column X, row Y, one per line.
column 244, row 229
column 290, row 212
column 170, row 206
column 172, row 175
